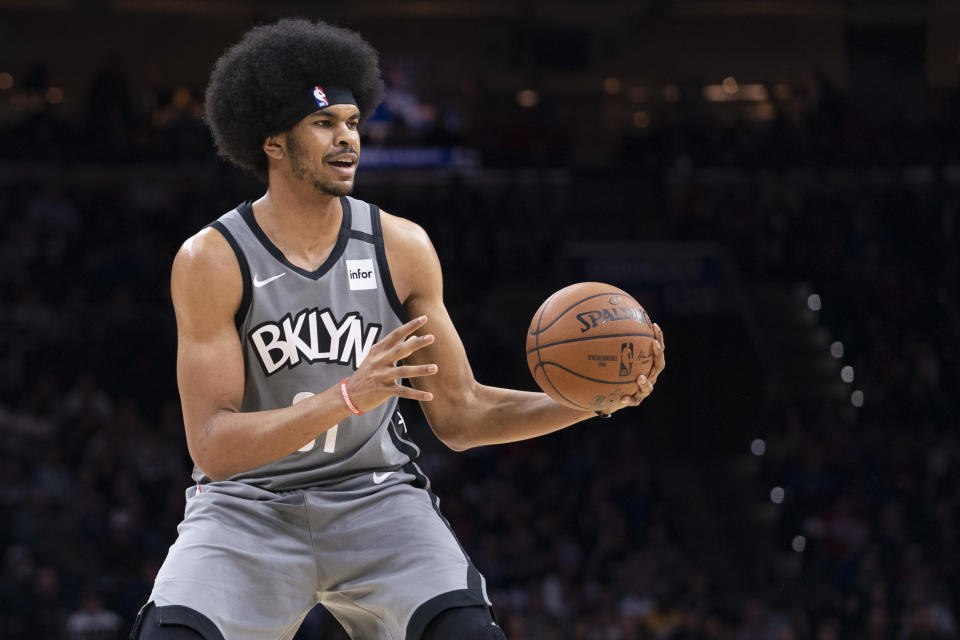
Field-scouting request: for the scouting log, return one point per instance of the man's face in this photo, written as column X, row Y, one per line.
column 324, row 149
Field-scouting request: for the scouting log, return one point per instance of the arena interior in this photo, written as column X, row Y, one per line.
column 777, row 181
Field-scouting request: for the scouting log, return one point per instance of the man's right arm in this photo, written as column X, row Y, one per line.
column 206, row 286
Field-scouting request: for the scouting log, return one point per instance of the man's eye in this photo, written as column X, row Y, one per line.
column 322, row 123
column 353, row 125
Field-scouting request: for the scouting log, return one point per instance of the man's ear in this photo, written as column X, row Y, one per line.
column 274, row 147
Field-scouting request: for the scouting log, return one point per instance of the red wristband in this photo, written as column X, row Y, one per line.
column 346, row 398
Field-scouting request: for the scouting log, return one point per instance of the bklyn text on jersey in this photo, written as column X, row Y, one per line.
column 313, row 335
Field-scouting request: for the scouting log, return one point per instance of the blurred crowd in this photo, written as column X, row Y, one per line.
column 578, row 534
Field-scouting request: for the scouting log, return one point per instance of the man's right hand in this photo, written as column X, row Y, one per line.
column 377, row 377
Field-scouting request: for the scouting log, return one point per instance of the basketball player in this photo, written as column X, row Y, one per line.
column 292, row 316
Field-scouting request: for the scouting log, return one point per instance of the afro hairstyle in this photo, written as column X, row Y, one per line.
column 272, row 65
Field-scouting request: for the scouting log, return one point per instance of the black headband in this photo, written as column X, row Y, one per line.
column 319, row 97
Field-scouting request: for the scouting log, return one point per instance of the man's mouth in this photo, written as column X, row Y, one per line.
column 344, row 165
column 343, row 162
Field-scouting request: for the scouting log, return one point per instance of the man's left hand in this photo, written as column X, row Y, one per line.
column 645, row 383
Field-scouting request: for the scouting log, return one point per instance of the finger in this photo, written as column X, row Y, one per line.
column 646, row 386
column 413, row 394
column 411, row 344
column 397, row 336
column 414, row 371
column 659, row 362
column 658, row 334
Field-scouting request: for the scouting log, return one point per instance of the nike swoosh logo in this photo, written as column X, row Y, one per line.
column 260, row 283
column 380, row 477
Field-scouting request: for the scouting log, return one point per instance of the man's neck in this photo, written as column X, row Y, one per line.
column 302, row 222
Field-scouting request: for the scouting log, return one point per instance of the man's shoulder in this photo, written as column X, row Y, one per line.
column 206, row 251
column 413, row 260
column 406, row 234
column 206, row 243
column 206, row 280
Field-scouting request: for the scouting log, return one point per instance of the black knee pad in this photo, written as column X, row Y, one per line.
column 463, row 623
column 173, row 623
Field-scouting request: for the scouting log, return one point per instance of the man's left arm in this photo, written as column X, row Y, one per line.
column 465, row 413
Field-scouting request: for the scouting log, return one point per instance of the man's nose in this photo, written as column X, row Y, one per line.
column 345, row 136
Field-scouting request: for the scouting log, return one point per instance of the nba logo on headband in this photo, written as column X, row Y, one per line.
column 320, row 97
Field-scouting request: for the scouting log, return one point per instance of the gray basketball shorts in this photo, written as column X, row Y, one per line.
column 382, row 560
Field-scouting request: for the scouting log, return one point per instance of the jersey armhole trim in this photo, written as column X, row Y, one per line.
column 360, row 235
column 241, row 314
column 388, row 289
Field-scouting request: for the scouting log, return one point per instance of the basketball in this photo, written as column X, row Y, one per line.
column 587, row 345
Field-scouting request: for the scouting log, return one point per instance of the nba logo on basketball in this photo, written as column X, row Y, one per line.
column 320, row 97
column 626, row 358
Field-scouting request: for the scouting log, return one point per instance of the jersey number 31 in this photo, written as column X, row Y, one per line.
column 329, row 436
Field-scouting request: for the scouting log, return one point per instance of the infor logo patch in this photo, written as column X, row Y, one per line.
column 361, row 274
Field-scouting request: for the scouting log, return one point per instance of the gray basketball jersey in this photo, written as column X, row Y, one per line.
column 304, row 331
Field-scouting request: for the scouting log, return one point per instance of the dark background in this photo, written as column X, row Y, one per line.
column 778, row 182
